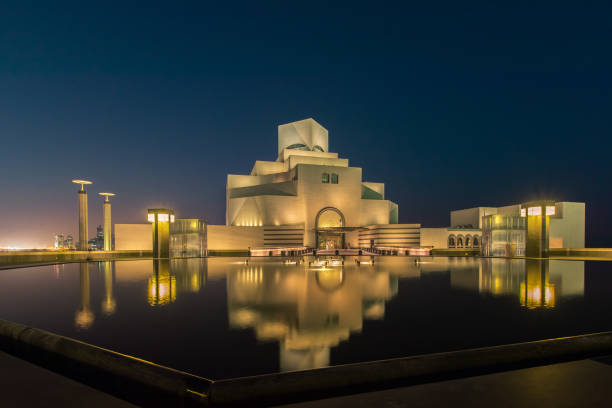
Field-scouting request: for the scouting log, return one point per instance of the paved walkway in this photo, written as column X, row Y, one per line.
column 26, row 385
column 579, row 383
column 585, row 383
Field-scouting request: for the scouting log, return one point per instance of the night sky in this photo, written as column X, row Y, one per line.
column 452, row 105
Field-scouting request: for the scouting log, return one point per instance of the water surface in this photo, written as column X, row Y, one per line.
column 220, row 317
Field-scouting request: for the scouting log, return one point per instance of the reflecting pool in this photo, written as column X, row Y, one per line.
column 222, row 317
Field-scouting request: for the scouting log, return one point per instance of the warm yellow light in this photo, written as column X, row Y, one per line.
column 550, row 210
column 107, row 194
column 534, row 211
column 151, row 217
column 523, row 212
column 171, row 217
column 81, row 182
column 162, row 217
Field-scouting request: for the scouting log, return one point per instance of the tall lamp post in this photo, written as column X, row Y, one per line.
column 107, row 221
column 83, row 226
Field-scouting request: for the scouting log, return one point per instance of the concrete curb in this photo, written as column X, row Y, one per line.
column 299, row 385
column 149, row 384
column 104, row 369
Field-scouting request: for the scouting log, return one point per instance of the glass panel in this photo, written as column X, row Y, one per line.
column 325, row 178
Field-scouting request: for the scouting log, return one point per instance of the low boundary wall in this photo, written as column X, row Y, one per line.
column 150, row 384
column 603, row 253
column 455, row 251
column 13, row 259
column 130, row 378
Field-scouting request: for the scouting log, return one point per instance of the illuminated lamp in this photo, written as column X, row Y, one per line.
column 533, row 211
column 161, row 219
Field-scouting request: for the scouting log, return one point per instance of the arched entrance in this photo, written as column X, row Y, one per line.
column 329, row 225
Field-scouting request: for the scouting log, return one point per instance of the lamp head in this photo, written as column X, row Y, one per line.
column 82, row 183
column 107, row 195
column 160, row 214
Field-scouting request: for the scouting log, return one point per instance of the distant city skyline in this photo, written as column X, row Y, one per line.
column 452, row 106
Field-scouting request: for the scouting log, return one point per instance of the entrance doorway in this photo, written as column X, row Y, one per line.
column 329, row 240
column 329, row 226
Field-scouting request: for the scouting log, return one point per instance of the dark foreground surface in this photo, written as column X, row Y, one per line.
column 578, row 383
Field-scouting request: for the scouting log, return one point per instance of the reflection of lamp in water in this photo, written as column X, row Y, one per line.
column 162, row 285
column 84, row 317
column 83, row 226
column 536, row 290
column 107, row 220
column 108, row 303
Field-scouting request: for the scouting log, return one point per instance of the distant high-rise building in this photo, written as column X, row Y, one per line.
column 63, row 241
column 69, row 242
column 59, row 241
column 97, row 243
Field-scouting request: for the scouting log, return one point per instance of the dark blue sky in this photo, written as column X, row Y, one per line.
column 451, row 104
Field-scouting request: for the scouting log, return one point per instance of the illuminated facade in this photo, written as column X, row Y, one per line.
column 187, row 238
column 498, row 231
column 309, row 190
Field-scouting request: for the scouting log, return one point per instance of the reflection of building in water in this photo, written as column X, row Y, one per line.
column 536, row 289
column 162, row 285
column 307, row 310
column 178, row 275
column 84, row 317
column 190, row 274
column 535, row 283
column 108, row 303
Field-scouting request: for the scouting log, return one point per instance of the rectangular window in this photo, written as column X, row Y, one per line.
column 334, row 178
column 325, row 178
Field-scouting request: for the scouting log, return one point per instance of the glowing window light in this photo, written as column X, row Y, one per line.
column 550, row 210
column 172, row 218
column 534, row 211
column 162, row 217
column 151, row 217
column 523, row 212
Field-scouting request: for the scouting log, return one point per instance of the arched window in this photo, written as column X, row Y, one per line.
column 317, row 148
column 329, row 217
column 298, row 146
column 334, row 178
column 476, row 242
column 460, row 242
column 468, row 242
column 325, row 178
column 451, row 242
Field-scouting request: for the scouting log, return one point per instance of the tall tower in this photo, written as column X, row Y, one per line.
column 161, row 219
column 107, row 221
column 538, row 215
column 83, row 226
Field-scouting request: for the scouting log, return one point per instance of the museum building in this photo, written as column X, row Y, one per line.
column 309, row 197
